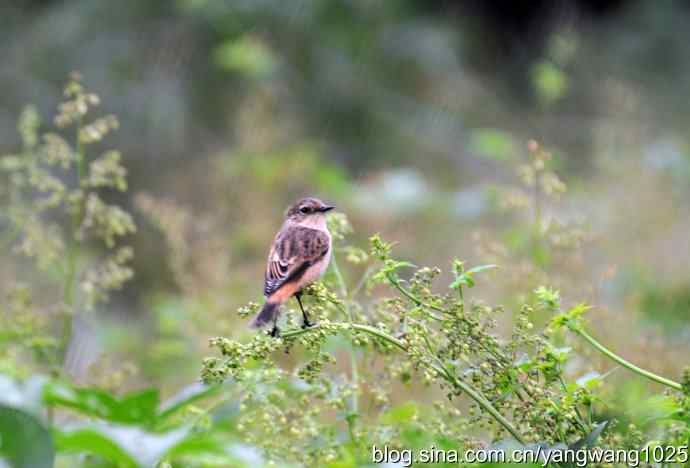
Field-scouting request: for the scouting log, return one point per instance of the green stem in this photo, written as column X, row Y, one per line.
column 440, row 370
column 355, row 326
column 73, row 255
column 480, row 400
column 628, row 365
column 579, row 419
column 353, row 354
column 414, row 298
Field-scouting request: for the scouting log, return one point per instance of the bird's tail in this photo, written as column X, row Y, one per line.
column 267, row 314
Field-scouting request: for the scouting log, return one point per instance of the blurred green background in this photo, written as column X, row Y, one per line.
column 411, row 116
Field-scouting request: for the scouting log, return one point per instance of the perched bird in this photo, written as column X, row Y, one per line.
column 299, row 255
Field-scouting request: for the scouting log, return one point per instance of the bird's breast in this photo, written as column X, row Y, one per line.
column 315, row 271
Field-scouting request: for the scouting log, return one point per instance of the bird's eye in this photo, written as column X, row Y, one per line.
column 304, row 210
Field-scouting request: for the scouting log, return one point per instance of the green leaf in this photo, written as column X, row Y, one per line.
column 460, row 281
column 590, row 380
column 187, row 396
column 248, row 55
column 548, row 297
column 201, row 447
column 656, row 408
column 550, row 82
column 125, row 445
column 480, row 268
column 96, row 443
column 24, row 441
column 397, row 264
column 492, row 143
column 466, row 278
column 135, row 408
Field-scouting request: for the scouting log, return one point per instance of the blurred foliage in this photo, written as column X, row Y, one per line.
column 256, row 406
column 673, row 304
column 415, row 119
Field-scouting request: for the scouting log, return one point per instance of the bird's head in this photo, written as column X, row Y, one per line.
column 307, row 209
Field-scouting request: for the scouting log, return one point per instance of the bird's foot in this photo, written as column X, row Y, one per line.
column 307, row 324
column 275, row 332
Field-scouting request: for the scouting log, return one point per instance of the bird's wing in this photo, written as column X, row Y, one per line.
column 294, row 249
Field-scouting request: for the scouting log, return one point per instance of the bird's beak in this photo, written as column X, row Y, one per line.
column 326, row 208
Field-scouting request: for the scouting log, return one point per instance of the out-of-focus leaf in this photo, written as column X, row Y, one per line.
column 549, row 81
column 589, row 380
column 204, row 447
column 24, row 441
column 27, row 395
column 96, row 443
column 656, row 408
column 196, row 444
column 186, row 396
column 125, row 445
column 248, row 55
column 134, row 408
column 491, row 143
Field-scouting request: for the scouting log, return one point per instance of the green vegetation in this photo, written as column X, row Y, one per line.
column 401, row 356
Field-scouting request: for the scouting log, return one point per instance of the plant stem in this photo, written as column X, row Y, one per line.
column 355, row 326
column 480, row 400
column 444, row 373
column 440, row 370
column 394, row 281
column 353, row 354
column 628, row 365
column 73, row 255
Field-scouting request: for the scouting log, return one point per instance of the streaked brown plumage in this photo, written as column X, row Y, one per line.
column 299, row 255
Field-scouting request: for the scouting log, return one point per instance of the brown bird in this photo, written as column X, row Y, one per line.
column 300, row 254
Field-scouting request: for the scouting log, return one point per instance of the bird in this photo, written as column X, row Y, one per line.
column 300, row 254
